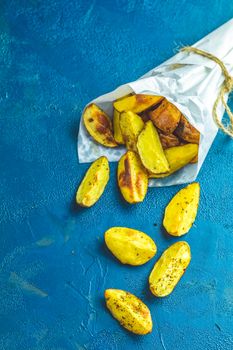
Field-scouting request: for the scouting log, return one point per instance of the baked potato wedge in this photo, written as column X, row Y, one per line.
column 131, row 125
column 150, row 150
column 129, row 310
column 93, row 183
column 186, row 131
column 136, row 103
column 116, row 128
column 132, row 178
column 165, row 117
column 168, row 140
column 178, row 157
column 169, row 269
column 181, row 212
column 99, row 125
column 130, row 246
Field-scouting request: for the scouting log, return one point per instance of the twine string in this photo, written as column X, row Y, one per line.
column 226, row 87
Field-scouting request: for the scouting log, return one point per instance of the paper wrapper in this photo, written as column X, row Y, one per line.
column 189, row 81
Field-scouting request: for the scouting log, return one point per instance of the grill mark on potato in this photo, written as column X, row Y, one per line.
column 104, row 126
column 125, row 176
column 141, row 98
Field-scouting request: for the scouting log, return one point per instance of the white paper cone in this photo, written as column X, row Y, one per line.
column 193, row 87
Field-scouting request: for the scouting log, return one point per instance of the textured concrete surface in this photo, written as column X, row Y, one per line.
column 55, row 56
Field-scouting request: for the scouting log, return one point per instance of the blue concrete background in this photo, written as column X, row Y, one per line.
column 55, row 56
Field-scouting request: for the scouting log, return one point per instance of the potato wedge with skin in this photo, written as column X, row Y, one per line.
column 165, row 117
column 177, row 158
column 129, row 310
column 181, row 212
column 137, row 103
column 99, row 125
column 93, row 183
column 168, row 140
column 150, row 150
column 169, row 269
column 186, row 131
column 131, row 125
column 130, row 246
column 116, row 128
column 132, row 178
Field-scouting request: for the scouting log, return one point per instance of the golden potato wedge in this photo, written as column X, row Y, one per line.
column 93, row 183
column 99, row 125
column 129, row 310
column 150, row 150
column 131, row 125
column 181, row 212
column 178, row 157
column 168, row 140
column 132, row 178
column 136, row 103
column 169, row 269
column 116, row 128
column 165, row 117
column 130, row 246
column 186, row 131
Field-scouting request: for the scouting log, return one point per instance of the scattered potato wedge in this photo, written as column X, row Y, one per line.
column 132, row 177
column 181, row 212
column 150, row 150
column 178, row 157
column 93, row 183
column 130, row 246
column 136, row 103
column 169, row 269
column 116, row 127
column 131, row 125
column 186, row 131
column 165, row 117
column 129, row 310
column 99, row 125
column 168, row 140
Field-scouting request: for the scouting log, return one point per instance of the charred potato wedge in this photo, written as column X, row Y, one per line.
column 116, row 127
column 93, row 183
column 178, row 157
column 181, row 212
column 132, row 178
column 186, row 131
column 131, row 125
column 150, row 150
column 165, row 117
column 136, row 103
column 99, row 125
column 129, row 310
column 169, row 269
column 130, row 246
column 168, row 140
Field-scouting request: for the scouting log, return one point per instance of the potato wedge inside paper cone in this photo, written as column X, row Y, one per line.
column 191, row 83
